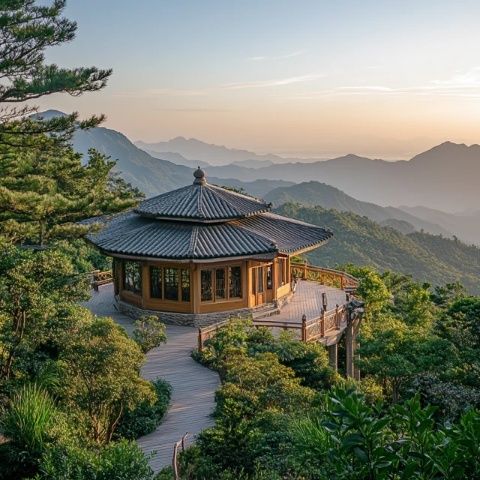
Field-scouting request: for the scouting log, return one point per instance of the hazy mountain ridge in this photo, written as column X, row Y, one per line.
column 358, row 240
column 194, row 149
column 465, row 225
column 151, row 175
column 443, row 177
column 316, row 193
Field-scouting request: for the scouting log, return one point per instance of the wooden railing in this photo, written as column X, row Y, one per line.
column 324, row 276
column 316, row 328
column 205, row 333
column 101, row 278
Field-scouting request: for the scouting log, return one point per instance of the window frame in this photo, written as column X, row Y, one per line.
column 134, row 291
column 180, row 272
column 226, row 287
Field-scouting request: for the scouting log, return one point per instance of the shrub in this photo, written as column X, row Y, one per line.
column 149, row 332
column 146, row 417
column 121, row 460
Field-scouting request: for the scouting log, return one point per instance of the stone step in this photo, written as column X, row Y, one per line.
column 264, row 312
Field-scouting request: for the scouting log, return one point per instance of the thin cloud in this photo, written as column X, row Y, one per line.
column 272, row 83
column 466, row 84
column 162, row 92
column 262, row 58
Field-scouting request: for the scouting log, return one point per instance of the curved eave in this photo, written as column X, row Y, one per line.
column 233, row 258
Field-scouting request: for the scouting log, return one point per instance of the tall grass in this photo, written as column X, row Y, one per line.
column 29, row 419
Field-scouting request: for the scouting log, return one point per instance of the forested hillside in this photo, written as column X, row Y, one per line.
column 360, row 241
column 326, row 196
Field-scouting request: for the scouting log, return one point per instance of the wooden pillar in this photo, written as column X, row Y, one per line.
column 145, row 269
column 333, row 356
column 195, row 287
column 349, row 349
column 304, row 328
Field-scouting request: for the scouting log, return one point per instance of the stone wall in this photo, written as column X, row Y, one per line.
column 184, row 319
column 199, row 319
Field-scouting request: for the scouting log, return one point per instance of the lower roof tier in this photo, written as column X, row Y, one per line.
column 130, row 234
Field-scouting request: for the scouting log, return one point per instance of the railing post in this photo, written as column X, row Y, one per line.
column 337, row 318
column 324, row 301
column 304, row 328
column 200, row 340
column 322, row 324
column 305, row 270
column 174, row 462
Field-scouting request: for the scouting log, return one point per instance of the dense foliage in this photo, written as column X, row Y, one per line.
column 67, row 378
column 146, row 416
column 358, row 240
column 282, row 413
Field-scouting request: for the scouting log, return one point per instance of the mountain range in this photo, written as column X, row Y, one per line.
column 155, row 175
column 360, row 241
column 444, row 178
column 328, row 197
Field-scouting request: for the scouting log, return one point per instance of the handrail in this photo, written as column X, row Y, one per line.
column 325, row 276
column 101, row 278
column 314, row 328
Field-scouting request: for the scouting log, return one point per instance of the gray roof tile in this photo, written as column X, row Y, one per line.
column 132, row 234
column 202, row 202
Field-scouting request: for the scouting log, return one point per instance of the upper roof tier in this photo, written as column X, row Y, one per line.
column 201, row 202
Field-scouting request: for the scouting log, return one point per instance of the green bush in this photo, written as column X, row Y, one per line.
column 122, row 460
column 146, row 417
column 149, row 332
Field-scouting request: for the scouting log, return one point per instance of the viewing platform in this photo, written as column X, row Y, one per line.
column 321, row 308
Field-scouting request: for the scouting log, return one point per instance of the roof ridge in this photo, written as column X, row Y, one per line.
column 224, row 191
column 200, row 201
column 255, row 234
column 193, row 241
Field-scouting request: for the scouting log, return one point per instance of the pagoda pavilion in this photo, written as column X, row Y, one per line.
column 203, row 253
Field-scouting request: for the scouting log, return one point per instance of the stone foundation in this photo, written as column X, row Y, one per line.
column 198, row 319
column 184, row 319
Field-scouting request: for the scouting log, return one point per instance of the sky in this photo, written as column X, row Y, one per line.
column 386, row 79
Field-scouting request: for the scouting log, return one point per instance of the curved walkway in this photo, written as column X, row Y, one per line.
column 194, row 386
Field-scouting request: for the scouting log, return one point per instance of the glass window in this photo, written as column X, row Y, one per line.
column 260, row 283
column 155, row 282
column 206, row 285
column 171, row 283
column 185, row 285
column 132, row 277
column 220, row 292
column 269, row 277
column 235, row 282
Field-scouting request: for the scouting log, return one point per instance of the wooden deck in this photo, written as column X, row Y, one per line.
column 194, row 386
column 307, row 300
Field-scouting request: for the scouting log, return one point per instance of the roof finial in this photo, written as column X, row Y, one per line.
column 199, row 175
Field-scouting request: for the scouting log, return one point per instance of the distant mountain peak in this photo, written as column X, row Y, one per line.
column 48, row 114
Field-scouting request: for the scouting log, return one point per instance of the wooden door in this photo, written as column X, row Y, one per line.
column 258, row 285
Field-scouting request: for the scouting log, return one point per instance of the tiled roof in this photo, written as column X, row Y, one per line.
column 202, row 202
column 132, row 234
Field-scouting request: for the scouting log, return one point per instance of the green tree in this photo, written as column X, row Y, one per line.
column 394, row 352
column 27, row 30
column 38, row 292
column 102, row 377
column 46, row 190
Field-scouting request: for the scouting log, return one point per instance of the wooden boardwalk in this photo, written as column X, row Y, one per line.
column 193, row 386
column 308, row 300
